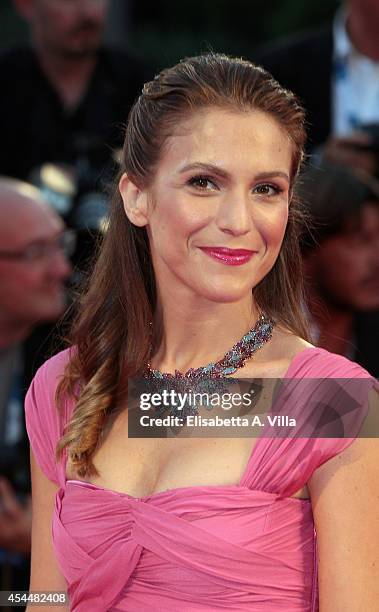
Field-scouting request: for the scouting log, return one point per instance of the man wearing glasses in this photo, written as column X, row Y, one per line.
column 34, row 247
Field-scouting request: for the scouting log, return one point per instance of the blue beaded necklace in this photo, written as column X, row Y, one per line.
column 234, row 359
column 201, row 377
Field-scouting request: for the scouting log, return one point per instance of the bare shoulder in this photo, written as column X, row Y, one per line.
column 274, row 358
column 344, row 494
column 287, row 344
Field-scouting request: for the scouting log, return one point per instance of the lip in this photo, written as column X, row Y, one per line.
column 230, row 257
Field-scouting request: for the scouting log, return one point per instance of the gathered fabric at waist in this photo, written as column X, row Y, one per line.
column 195, row 548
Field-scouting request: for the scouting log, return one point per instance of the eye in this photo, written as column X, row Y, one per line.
column 266, row 189
column 203, row 183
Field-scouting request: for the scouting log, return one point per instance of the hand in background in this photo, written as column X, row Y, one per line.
column 15, row 520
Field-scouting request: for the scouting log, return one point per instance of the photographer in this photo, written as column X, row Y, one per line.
column 67, row 95
column 33, row 269
column 335, row 72
column 341, row 261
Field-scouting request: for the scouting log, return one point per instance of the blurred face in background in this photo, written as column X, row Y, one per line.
column 369, row 9
column 32, row 283
column 345, row 267
column 65, row 27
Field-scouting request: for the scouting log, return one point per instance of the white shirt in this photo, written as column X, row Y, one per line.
column 355, row 83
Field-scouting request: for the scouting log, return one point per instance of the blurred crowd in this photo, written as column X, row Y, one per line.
column 334, row 71
column 65, row 100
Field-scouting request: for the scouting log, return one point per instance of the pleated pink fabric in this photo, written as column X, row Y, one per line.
column 247, row 547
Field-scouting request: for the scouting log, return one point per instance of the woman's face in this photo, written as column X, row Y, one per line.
column 218, row 206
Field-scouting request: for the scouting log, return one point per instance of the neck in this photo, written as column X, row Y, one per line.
column 363, row 31
column 190, row 341
column 69, row 75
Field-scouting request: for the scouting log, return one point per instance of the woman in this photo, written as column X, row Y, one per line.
column 201, row 247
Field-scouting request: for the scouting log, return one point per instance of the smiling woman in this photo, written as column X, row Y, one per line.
column 222, row 188
column 199, row 278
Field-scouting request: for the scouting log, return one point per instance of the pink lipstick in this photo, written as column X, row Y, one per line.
column 230, row 257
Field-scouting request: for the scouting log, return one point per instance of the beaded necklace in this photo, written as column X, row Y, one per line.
column 201, row 377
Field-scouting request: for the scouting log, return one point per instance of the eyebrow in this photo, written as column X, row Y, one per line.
column 224, row 174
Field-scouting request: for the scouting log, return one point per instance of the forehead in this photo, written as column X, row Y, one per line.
column 22, row 221
column 232, row 140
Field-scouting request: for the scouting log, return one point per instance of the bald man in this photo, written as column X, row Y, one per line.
column 33, row 266
column 33, row 269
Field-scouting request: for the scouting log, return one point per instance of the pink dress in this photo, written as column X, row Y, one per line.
column 246, row 547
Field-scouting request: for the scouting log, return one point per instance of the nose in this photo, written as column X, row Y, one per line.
column 235, row 213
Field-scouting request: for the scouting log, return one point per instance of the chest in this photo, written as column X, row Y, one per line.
column 142, row 467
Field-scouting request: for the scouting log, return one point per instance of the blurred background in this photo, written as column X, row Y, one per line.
column 164, row 32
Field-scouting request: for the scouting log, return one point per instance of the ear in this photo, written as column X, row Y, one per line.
column 135, row 201
column 24, row 8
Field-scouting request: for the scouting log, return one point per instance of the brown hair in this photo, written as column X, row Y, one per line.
column 110, row 331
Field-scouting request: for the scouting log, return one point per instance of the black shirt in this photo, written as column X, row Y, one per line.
column 35, row 127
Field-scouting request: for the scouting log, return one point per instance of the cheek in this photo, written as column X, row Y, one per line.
column 31, row 280
column 272, row 226
column 343, row 259
column 182, row 221
column 63, row 19
column 192, row 216
column 16, row 289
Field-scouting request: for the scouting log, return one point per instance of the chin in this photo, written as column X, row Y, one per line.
column 227, row 295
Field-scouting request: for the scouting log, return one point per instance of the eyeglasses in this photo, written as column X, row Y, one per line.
column 40, row 251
